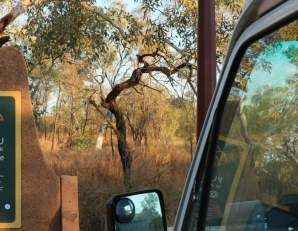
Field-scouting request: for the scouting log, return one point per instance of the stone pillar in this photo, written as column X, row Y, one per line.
column 40, row 200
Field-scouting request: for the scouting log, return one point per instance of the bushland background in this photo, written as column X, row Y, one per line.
column 113, row 87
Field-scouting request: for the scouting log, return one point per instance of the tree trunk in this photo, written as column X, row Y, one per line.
column 56, row 118
column 102, row 130
column 112, row 143
column 45, row 108
column 146, row 141
column 58, row 136
column 45, row 126
column 110, row 103
column 99, row 140
column 86, row 119
column 123, row 147
column 191, row 147
column 71, row 123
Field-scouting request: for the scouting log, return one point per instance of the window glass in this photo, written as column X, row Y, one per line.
column 254, row 180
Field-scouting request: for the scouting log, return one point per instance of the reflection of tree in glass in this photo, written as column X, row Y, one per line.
column 266, row 46
column 292, row 54
column 260, row 118
column 273, row 117
column 151, row 211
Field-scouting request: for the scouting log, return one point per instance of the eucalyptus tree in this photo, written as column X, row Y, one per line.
column 82, row 32
column 158, row 42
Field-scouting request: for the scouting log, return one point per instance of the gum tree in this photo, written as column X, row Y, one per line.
column 158, row 43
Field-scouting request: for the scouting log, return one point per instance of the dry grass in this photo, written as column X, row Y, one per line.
column 162, row 166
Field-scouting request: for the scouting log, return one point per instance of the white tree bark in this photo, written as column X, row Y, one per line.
column 99, row 142
column 102, row 131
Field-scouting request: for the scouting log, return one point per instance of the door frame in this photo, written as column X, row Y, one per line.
column 262, row 26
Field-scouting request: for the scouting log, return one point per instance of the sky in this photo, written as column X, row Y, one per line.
column 130, row 4
column 282, row 69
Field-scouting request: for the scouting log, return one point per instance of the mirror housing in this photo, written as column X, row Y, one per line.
column 142, row 210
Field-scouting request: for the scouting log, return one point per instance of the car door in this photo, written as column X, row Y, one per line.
column 244, row 175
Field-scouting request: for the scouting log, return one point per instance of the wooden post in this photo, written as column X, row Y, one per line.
column 69, row 203
column 206, row 59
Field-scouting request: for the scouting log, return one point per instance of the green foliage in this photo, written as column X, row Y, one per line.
column 84, row 49
column 187, row 119
column 67, row 26
column 273, row 117
column 83, row 143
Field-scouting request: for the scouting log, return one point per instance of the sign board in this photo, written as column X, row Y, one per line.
column 10, row 159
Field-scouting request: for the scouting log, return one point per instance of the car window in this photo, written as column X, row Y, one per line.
column 254, row 183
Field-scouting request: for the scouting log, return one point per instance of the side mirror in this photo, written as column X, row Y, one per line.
column 137, row 211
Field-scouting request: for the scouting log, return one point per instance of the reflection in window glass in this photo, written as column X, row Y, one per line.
column 254, row 184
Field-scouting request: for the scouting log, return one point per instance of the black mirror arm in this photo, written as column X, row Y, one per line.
column 109, row 216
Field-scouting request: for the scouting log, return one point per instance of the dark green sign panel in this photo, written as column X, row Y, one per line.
column 9, row 161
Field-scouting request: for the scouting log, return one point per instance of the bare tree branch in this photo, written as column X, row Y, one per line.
column 97, row 108
column 4, row 40
column 179, row 50
column 101, row 14
column 136, row 76
column 145, row 85
column 16, row 11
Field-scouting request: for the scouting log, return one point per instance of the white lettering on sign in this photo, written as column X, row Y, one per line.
column 1, row 148
column 1, row 182
column 1, row 118
column 2, row 158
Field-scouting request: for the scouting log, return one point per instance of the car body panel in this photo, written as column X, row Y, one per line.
column 252, row 11
column 250, row 26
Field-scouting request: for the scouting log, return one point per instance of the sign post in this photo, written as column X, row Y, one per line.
column 206, row 59
column 38, row 207
column 10, row 159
